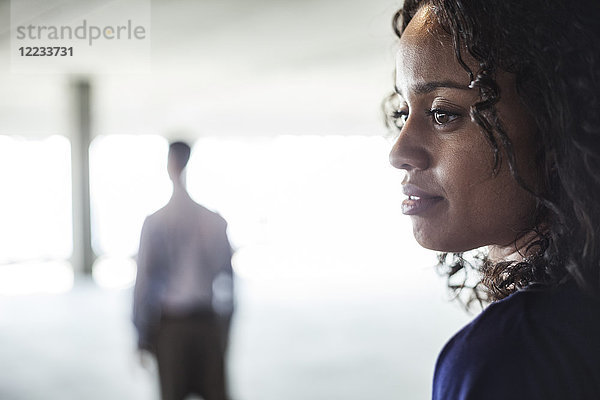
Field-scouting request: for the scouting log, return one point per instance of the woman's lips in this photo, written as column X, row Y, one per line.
column 418, row 200
column 416, row 205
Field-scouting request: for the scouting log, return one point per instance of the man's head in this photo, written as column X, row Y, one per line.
column 179, row 154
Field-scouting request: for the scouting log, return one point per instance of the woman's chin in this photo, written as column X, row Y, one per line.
column 443, row 245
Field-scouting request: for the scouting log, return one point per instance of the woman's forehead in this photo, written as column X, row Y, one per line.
column 426, row 54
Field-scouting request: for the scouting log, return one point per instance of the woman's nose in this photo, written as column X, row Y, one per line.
column 409, row 151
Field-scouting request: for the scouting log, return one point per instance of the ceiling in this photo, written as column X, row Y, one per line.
column 229, row 67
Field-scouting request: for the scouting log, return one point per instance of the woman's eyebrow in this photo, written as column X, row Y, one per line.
column 428, row 87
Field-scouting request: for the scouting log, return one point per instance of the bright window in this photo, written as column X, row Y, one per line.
column 35, row 206
column 35, row 210
column 128, row 181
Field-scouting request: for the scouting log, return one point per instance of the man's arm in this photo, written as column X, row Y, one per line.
column 146, row 295
column 223, row 284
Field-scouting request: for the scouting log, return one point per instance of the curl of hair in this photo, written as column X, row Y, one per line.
column 553, row 48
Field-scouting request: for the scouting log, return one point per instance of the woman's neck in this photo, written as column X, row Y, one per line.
column 516, row 251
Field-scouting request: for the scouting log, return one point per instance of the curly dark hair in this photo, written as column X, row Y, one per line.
column 553, row 49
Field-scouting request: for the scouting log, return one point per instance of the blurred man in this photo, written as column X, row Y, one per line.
column 184, row 270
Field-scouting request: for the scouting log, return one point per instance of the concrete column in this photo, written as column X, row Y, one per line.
column 83, row 256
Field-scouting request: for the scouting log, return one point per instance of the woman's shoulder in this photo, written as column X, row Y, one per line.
column 535, row 312
column 536, row 343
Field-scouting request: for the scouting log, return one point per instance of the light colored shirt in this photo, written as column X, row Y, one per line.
column 184, row 251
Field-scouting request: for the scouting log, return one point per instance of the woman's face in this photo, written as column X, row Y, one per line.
column 455, row 201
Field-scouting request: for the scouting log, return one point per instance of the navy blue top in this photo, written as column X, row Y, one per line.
column 534, row 344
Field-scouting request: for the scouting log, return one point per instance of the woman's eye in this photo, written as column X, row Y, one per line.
column 399, row 118
column 442, row 117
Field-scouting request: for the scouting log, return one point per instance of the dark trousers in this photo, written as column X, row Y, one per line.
column 190, row 357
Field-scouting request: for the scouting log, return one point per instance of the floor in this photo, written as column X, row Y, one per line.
column 286, row 344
